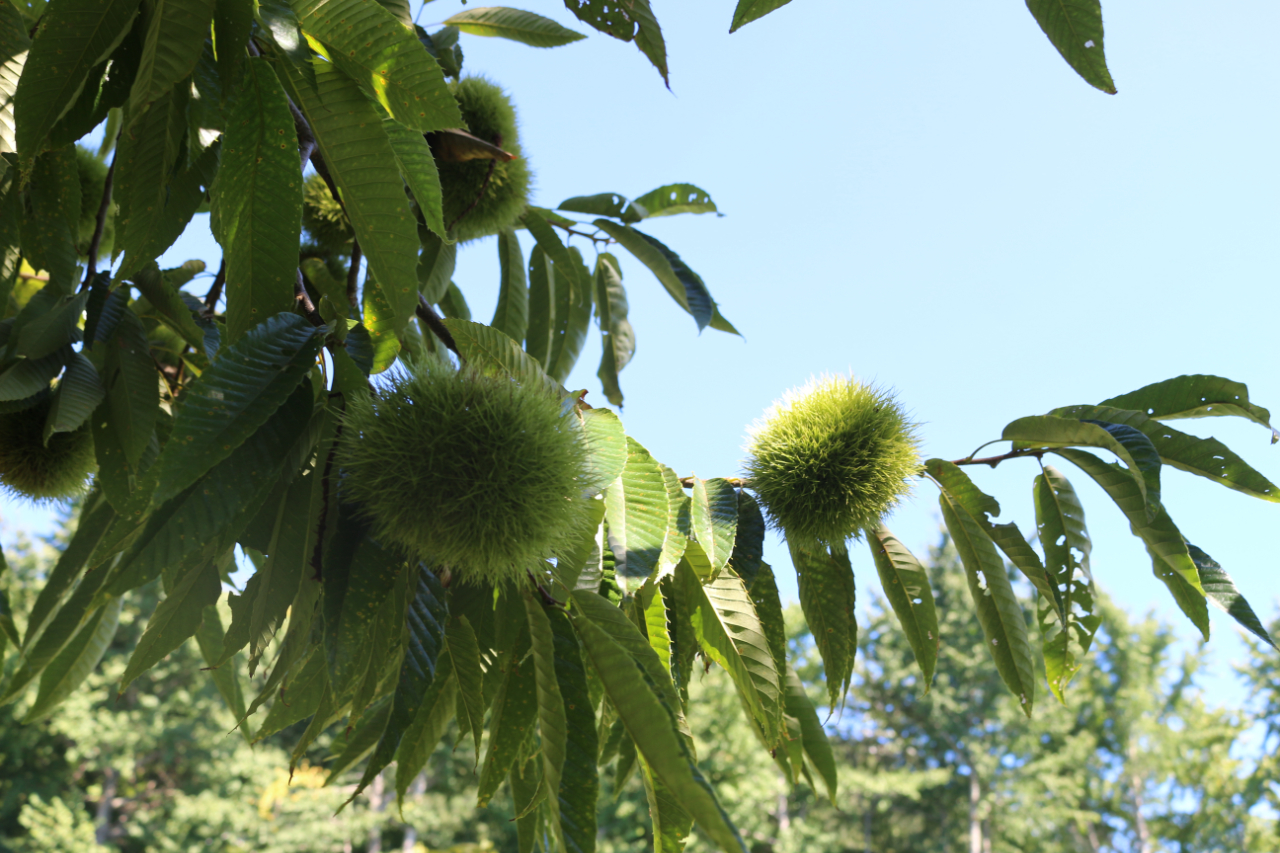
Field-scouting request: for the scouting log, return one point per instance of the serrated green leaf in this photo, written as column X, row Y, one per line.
column 768, row 604
column 729, row 631
column 494, row 354
column 672, row 822
column 999, row 613
column 540, row 329
column 424, row 627
column 515, row 709
column 671, row 199
column 53, row 330
column 1222, row 592
column 219, row 505
column 175, row 620
column 609, row 18
column 1049, row 431
column 300, row 697
column 79, row 393
column 573, row 316
column 683, row 284
column 353, row 141
column 827, row 597
column 50, row 222
column 1204, row 457
column 133, row 393
column 748, row 541
column 715, row 519
column 428, row 726
column 649, row 37
column 231, row 400
column 182, row 196
column 751, row 10
column 465, row 654
column 606, row 442
column 568, row 728
column 1008, row 537
column 906, row 584
column 225, row 678
column 144, row 171
column 1074, row 27
column 618, row 339
column 361, row 741
column 170, row 308
column 28, row 377
column 258, row 198
column 636, row 508
column 15, row 46
column 232, row 24
column 435, row 265
column 73, row 37
column 380, row 322
column 385, row 58
column 1060, row 527
column 514, row 24
column 96, row 516
column 175, row 36
column 812, row 736
column 358, row 577
column 578, row 566
column 527, row 793
column 512, row 313
column 1161, row 536
column 1194, row 396
column 75, row 661
column 413, row 156
column 644, row 703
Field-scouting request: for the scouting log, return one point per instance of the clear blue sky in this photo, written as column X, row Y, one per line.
column 927, row 196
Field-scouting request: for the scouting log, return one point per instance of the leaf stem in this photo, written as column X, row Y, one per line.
column 91, row 264
column 304, row 300
column 993, row 461
column 353, row 275
column 215, row 290
column 428, row 315
column 592, row 237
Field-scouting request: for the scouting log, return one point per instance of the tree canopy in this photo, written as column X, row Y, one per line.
column 329, row 401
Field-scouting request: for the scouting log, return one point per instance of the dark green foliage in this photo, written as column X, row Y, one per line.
column 43, row 472
column 93, row 178
column 831, row 459
column 479, row 474
column 482, row 196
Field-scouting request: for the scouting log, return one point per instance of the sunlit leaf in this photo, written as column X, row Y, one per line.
column 906, row 584
column 524, row 27
column 827, row 597
column 636, row 512
column 671, row 199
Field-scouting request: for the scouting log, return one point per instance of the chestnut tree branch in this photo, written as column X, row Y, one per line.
column 91, row 264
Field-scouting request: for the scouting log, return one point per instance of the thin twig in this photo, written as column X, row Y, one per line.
column 428, row 315
column 28, row 276
column 993, row 461
column 304, row 300
column 91, row 264
column 479, row 195
column 592, row 237
column 215, row 290
column 353, row 275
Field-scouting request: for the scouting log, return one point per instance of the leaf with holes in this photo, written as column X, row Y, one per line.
column 999, row 613
column 1074, row 27
column 671, row 199
column 1061, row 530
column 1195, row 396
column 1204, row 457
column 605, row 204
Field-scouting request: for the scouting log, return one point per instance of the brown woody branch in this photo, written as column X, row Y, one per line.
column 428, row 315
column 91, row 263
column 304, row 300
column 993, row 461
column 353, row 275
column 215, row 290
